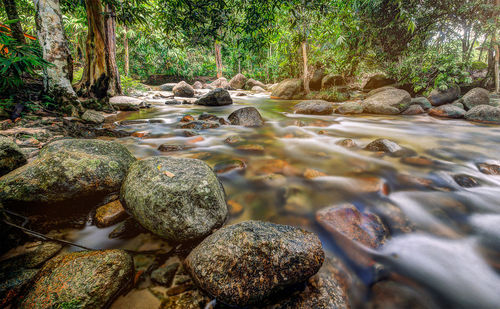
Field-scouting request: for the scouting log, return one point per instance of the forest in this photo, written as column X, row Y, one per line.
column 274, row 154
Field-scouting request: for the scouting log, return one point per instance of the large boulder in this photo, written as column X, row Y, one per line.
column 332, row 80
column 314, row 107
column 216, row 97
column 389, row 102
column 87, row 279
column 252, row 83
column 377, row 81
column 247, row 117
column 484, row 113
column 354, row 107
column 447, row 111
column 245, row 263
column 423, row 102
column 476, row 97
column 238, row 81
column 92, row 116
column 124, row 103
column 316, row 79
column 258, row 89
column 441, row 97
column 183, row 90
column 177, row 199
column 67, row 170
column 167, row 87
column 11, row 156
column 197, row 85
column 288, row 89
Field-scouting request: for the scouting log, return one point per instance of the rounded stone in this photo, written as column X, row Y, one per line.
column 88, row 279
column 247, row 117
column 314, row 107
column 216, row 97
column 184, row 90
column 67, row 170
column 245, row 263
column 11, row 156
column 476, row 97
column 177, row 199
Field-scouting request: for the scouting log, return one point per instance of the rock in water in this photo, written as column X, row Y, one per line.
column 110, row 214
column 245, row 263
column 414, row 110
column 221, row 83
column 258, row 89
column 67, row 170
column 447, row 111
column 238, row 81
column 247, row 117
column 288, row 89
column 183, row 90
column 176, row 198
column 252, row 83
column 350, row 108
column 476, row 97
column 93, row 116
column 314, row 107
column 484, row 113
column 216, row 97
column 441, row 97
column 88, row 279
column 123, row 103
column 388, row 102
column 386, row 146
column 422, row 101
column 11, row 156
column 197, row 85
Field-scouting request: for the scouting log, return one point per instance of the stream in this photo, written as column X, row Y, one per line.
column 452, row 246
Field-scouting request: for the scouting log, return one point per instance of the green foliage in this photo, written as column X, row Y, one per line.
column 16, row 61
column 130, row 85
column 478, row 66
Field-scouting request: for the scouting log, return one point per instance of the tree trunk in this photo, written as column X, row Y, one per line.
column 125, row 46
column 218, row 59
column 306, row 69
column 497, row 53
column 100, row 75
column 17, row 29
column 57, row 77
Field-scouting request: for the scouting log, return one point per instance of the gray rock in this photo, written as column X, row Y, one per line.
column 414, row 110
column 288, row 89
column 197, row 85
column 164, row 275
column 314, row 107
column 87, row 279
column 458, row 104
column 476, row 97
column 183, row 90
column 252, row 83
column 67, row 170
column 11, row 156
column 238, row 81
column 386, row 146
column 376, row 81
column 124, row 103
column 245, row 263
column 316, row 79
column 221, row 83
column 167, row 87
column 93, row 116
column 422, row 101
column 447, row 111
column 388, row 102
column 247, row 117
column 258, row 89
column 175, row 198
column 484, row 113
column 441, row 97
column 216, row 97
column 350, row 108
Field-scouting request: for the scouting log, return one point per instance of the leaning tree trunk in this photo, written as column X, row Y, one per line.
column 218, row 59
column 17, row 29
column 125, row 46
column 58, row 76
column 100, row 75
column 306, row 68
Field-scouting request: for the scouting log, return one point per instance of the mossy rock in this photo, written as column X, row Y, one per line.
column 67, row 170
column 11, row 156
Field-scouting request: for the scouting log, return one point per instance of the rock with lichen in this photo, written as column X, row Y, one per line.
column 245, row 263
column 11, row 156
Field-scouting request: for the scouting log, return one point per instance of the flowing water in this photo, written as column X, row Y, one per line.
column 450, row 246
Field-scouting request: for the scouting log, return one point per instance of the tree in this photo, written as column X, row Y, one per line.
column 50, row 30
column 16, row 27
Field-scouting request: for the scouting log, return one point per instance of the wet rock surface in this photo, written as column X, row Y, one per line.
column 124, row 103
column 350, row 108
column 66, row 170
column 314, row 107
column 447, row 111
column 386, row 146
column 183, row 90
column 414, row 110
column 247, row 117
column 422, row 102
column 388, row 102
column 177, row 199
column 110, row 214
column 484, row 113
column 88, row 279
column 11, row 156
column 216, row 97
column 489, row 169
column 245, row 263
column 441, row 97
